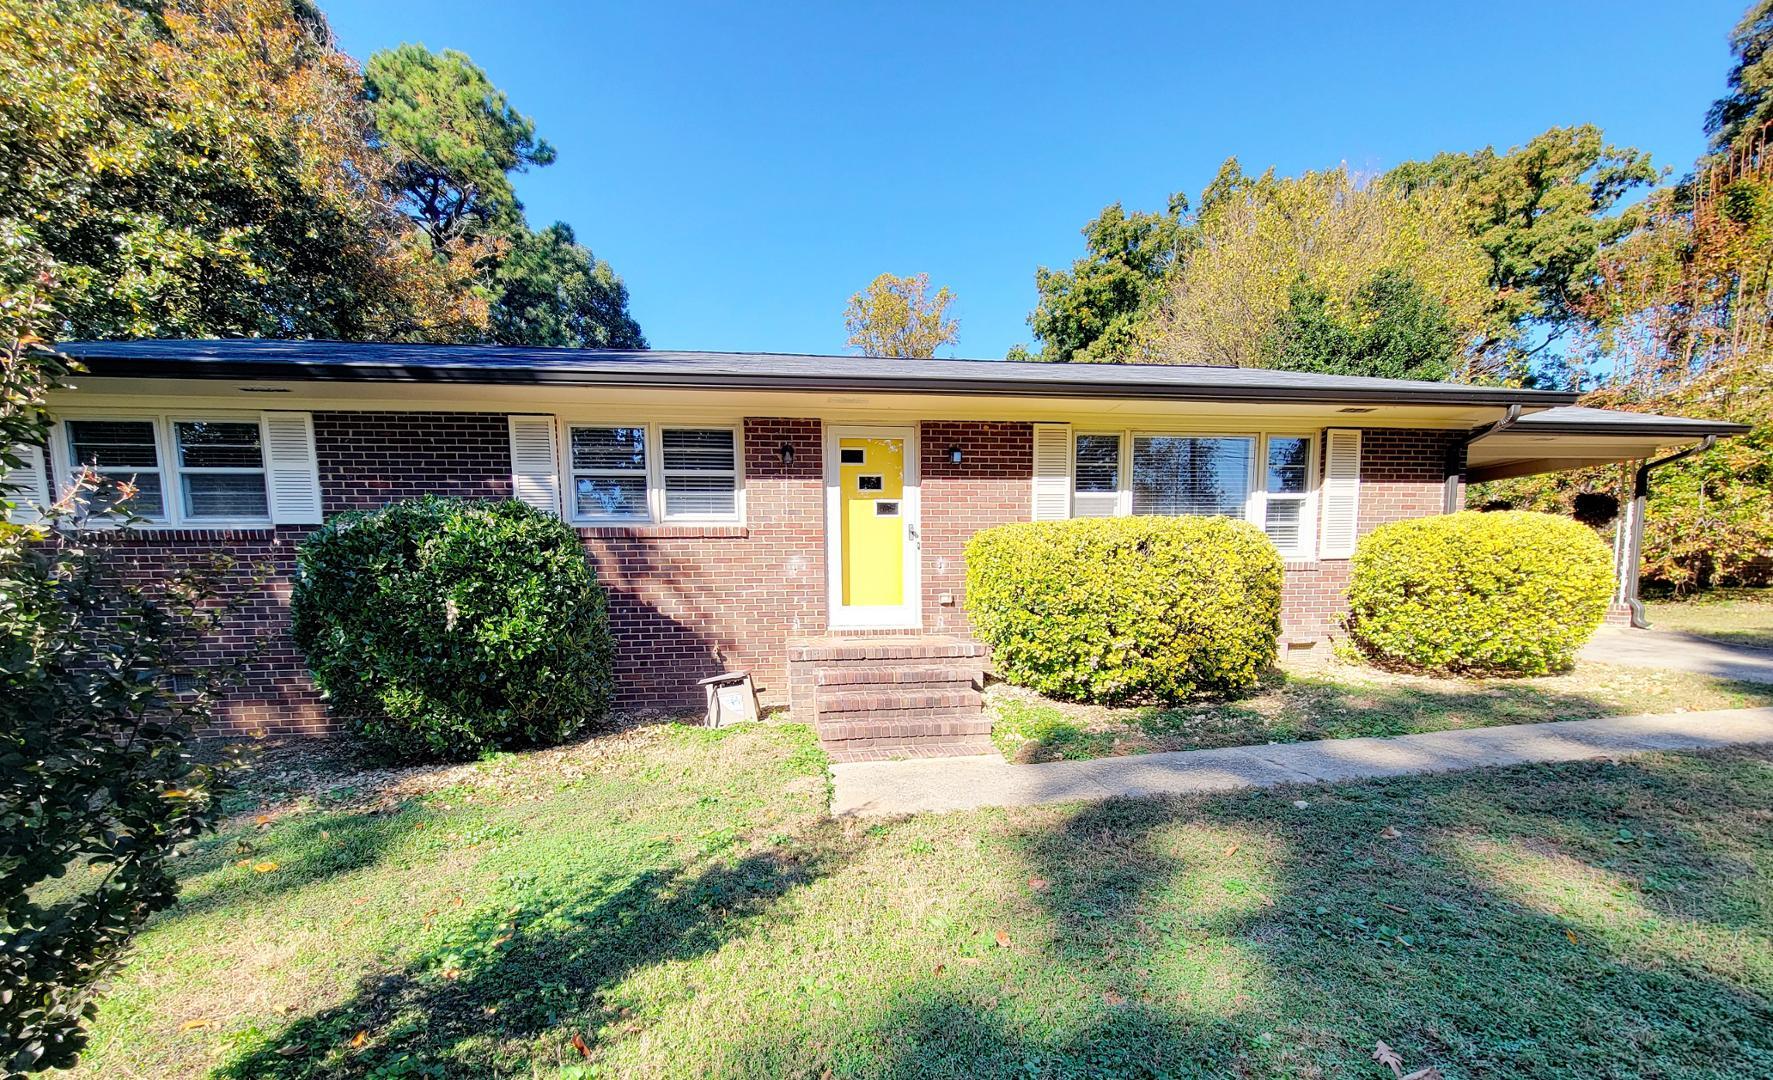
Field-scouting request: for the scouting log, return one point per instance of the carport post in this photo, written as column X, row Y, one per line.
column 1630, row 554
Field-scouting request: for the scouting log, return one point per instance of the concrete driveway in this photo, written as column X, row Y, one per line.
column 1673, row 651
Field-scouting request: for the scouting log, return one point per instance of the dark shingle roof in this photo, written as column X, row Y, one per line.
column 375, row 362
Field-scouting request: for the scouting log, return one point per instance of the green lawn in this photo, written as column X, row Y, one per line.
column 1340, row 701
column 1732, row 616
column 676, row 900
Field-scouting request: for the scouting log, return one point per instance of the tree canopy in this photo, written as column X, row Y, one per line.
column 1541, row 212
column 1743, row 113
column 454, row 141
column 553, row 291
column 899, row 316
column 1324, row 239
column 218, row 168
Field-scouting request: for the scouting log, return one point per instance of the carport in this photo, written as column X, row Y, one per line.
column 1575, row 437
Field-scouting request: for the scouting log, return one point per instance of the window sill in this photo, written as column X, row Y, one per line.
column 672, row 531
column 156, row 533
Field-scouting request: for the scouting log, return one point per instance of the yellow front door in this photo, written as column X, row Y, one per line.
column 871, row 485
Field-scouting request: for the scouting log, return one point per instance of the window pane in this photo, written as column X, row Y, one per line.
column 149, row 501
column 219, row 446
column 609, row 448
column 113, row 443
column 698, row 450
column 1289, row 458
column 1175, row 474
column 611, row 496
column 1098, row 462
column 699, row 496
column 1285, row 516
column 224, row 495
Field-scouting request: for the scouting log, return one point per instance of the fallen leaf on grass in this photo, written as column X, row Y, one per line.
column 1003, row 939
column 1388, row 1057
column 263, row 867
column 358, row 1040
column 200, row 1022
column 581, row 1046
column 1389, row 833
column 1571, row 934
column 1232, row 850
column 940, row 968
column 291, row 1050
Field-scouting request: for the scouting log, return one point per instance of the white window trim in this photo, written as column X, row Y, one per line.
column 1123, row 480
column 1307, row 546
column 570, row 473
column 62, row 465
column 1255, row 473
column 178, row 469
column 655, row 472
column 1255, row 506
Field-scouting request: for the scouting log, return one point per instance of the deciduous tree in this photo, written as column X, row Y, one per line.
column 1541, row 213
column 899, row 316
column 1258, row 241
column 200, row 168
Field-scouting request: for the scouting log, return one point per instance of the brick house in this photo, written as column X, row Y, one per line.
column 802, row 517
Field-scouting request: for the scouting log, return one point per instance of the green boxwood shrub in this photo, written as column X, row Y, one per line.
column 440, row 628
column 1126, row 609
column 1506, row 593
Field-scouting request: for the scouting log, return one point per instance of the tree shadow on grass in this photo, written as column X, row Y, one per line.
column 247, row 866
column 1240, row 935
column 477, row 1004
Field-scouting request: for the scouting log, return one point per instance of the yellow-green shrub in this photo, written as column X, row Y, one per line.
column 1500, row 593
column 1120, row 609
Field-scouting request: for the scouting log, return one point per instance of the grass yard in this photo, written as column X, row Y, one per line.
column 1732, row 616
column 1341, row 701
column 672, row 902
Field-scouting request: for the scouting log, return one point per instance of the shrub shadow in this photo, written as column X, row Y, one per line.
column 515, row 973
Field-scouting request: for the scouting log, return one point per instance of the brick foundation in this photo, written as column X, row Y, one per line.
column 689, row 602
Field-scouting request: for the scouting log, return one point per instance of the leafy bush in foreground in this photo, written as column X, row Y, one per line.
column 442, row 628
column 1122, row 609
column 1498, row 593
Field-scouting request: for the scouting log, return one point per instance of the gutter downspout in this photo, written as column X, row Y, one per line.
column 1455, row 471
column 1631, row 555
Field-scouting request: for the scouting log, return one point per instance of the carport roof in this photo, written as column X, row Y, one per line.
column 1575, row 436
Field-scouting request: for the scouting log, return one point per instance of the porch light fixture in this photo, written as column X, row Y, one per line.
column 786, row 453
column 954, row 454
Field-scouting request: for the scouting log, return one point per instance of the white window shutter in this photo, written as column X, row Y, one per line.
column 534, row 478
column 1052, row 472
column 27, row 487
column 1341, row 492
column 292, row 472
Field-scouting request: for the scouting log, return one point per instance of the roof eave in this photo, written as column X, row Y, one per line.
column 288, row 370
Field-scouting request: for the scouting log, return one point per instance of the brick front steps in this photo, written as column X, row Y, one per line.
column 879, row 698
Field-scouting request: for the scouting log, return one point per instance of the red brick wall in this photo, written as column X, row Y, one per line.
column 274, row 695
column 992, row 485
column 689, row 602
column 1401, row 477
column 370, row 459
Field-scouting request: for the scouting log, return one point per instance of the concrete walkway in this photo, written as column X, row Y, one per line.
column 1669, row 650
column 878, row 788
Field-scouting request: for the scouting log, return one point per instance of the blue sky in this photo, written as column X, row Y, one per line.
column 746, row 168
